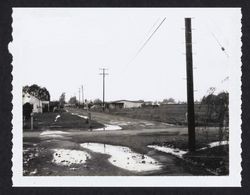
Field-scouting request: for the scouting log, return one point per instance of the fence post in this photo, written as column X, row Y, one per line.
column 31, row 120
column 89, row 119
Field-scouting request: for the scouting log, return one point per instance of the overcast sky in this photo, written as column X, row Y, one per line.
column 62, row 49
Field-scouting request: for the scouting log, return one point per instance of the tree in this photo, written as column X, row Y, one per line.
column 217, row 107
column 62, row 100
column 37, row 91
column 211, row 99
column 73, row 100
column 169, row 101
column 97, row 101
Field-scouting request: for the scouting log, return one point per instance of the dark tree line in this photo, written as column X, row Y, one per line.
column 39, row 92
column 220, row 99
column 217, row 107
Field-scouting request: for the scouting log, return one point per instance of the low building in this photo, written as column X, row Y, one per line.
column 125, row 104
column 39, row 106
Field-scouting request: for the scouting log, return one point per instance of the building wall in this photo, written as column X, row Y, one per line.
column 128, row 104
column 37, row 104
column 115, row 105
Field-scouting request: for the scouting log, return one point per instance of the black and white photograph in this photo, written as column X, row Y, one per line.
column 146, row 96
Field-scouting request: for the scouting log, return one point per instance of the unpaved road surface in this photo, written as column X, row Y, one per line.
column 112, row 153
column 124, row 122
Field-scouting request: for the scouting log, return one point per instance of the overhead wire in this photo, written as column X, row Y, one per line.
column 147, row 40
column 223, row 49
column 221, row 82
column 221, row 46
column 144, row 44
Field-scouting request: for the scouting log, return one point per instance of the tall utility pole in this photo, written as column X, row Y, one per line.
column 103, row 73
column 82, row 96
column 190, row 90
column 79, row 97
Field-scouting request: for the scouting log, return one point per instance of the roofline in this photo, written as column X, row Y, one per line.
column 138, row 101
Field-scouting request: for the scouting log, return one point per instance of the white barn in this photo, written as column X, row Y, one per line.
column 126, row 104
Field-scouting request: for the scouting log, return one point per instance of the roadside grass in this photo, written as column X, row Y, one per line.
column 215, row 159
column 66, row 120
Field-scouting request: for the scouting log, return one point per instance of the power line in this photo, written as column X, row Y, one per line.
column 154, row 25
column 147, row 40
column 217, row 41
column 221, row 46
column 225, row 79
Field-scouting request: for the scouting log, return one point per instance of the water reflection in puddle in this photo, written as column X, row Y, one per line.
column 81, row 116
column 55, row 134
column 179, row 153
column 214, row 144
column 124, row 157
column 108, row 127
column 68, row 157
column 174, row 151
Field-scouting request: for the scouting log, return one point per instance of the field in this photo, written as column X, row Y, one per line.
column 173, row 114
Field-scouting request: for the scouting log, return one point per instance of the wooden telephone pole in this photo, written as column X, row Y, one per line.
column 190, row 90
column 103, row 86
column 82, row 97
column 79, row 97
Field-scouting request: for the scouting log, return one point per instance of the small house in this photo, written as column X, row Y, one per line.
column 39, row 106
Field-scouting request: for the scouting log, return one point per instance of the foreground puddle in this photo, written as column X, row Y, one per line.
column 214, row 144
column 67, row 157
column 108, row 127
column 174, row 151
column 179, row 153
column 53, row 134
column 122, row 123
column 124, row 157
column 81, row 116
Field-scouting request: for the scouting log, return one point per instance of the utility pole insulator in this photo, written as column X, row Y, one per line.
column 190, row 90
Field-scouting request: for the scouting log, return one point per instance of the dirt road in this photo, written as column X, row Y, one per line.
column 105, row 152
column 124, row 122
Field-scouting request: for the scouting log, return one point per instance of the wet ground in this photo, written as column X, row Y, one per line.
column 123, row 122
column 119, row 149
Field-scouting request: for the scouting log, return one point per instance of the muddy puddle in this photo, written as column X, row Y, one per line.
column 179, row 153
column 214, row 144
column 174, row 151
column 108, row 127
column 66, row 157
column 53, row 134
column 81, row 116
column 124, row 157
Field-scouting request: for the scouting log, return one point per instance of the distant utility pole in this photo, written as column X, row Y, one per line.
column 190, row 90
column 103, row 73
column 79, row 96
column 82, row 95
